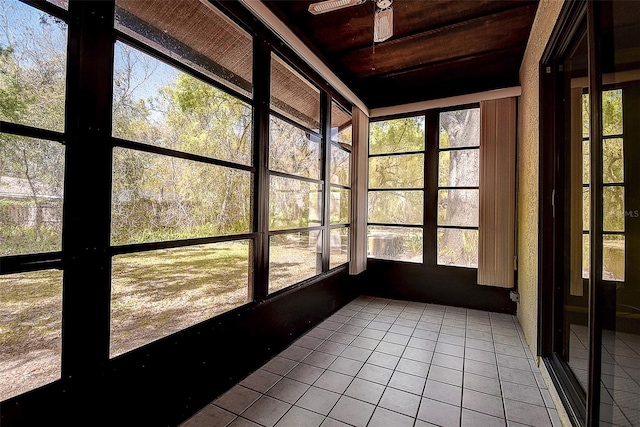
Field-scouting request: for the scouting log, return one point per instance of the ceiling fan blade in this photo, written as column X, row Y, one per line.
column 331, row 5
column 383, row 25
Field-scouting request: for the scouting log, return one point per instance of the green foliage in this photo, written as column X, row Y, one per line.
column 32, row 67
column 163, row 198
column 22, row 239
column 397, row 136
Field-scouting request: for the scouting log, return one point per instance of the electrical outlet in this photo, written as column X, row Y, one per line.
column 515, row 296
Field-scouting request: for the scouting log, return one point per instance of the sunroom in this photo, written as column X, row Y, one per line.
column 306, row 213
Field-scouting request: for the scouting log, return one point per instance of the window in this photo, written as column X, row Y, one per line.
column 613, row 255
column 194, row 33
column 396, row 189
column 458, row 188
column 157, row 293
column 182, row 175
column 165, row 122
column 296, row 187
column 33, row 63
column 340, row 185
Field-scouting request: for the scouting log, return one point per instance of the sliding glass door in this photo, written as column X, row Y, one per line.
column 592, row 341
column 618, row 308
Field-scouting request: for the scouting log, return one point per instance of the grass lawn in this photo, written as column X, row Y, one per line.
column 153, row 294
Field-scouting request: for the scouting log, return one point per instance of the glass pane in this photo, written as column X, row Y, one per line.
column 458, row 247
column 404, row 171
column 293, row 150
column 613, row 161
column 31, row 195
column 31, row 330
column 294, row 96
column 586, row 255
column 157, row 198
column 195, row 33
column 586, row 115
column 613, row 206
column 459, row 168
column 460, row 128
column 620, row 302
column 339, row 205
column 397, row 136
column 586, row 208
column 574, row 336
column 340, row 166
column 293, row 258
column 157, row 293
column 395, row 243
column 458, row 207
column 612, row 112
column 586, row 162
column 33, row 66
column 396, row 207
column 294, row 203
column 340, row 125
column 339, row 251
column 156, row 104
column 613, row 257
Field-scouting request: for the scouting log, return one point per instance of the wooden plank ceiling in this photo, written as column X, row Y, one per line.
column 440, row 48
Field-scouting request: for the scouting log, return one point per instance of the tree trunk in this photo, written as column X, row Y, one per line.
column 463, row 129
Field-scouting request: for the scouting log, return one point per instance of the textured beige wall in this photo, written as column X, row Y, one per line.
column 528, row 140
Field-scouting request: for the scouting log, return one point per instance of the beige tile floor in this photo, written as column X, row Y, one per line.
column 388, row 363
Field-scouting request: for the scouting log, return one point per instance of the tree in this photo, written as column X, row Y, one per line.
column 32, row 88
column 460, row 128
column 162, row 197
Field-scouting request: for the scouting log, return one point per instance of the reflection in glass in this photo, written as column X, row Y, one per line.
column 401, row 171
column 458, row 247
column 586, row 255
column 195, row 33
column 294, row 96
column 458, row 207
column 292, row 150
column 339, row 205
column 340, row 165
column 31, row 330
column 33, row 66
column 294, row 203
column 460, row 128
column 31, row 195
column 156, row 198
column 620, row 302
column 613, row 161
column 612, row 112
column 293, row 258
column 613, row 249
column 339, row 251
column 396, row 207
column 459, row 168
column 157, row 293
column 574, row 350
column 586, row 208
column 156, row 104
column 397, row 136
column 394, row 243
column 613, row 206
column 586, row 162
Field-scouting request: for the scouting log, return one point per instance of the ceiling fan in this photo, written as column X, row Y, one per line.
column 383, row 19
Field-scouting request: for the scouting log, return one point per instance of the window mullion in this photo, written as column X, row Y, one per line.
column 86, row 218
